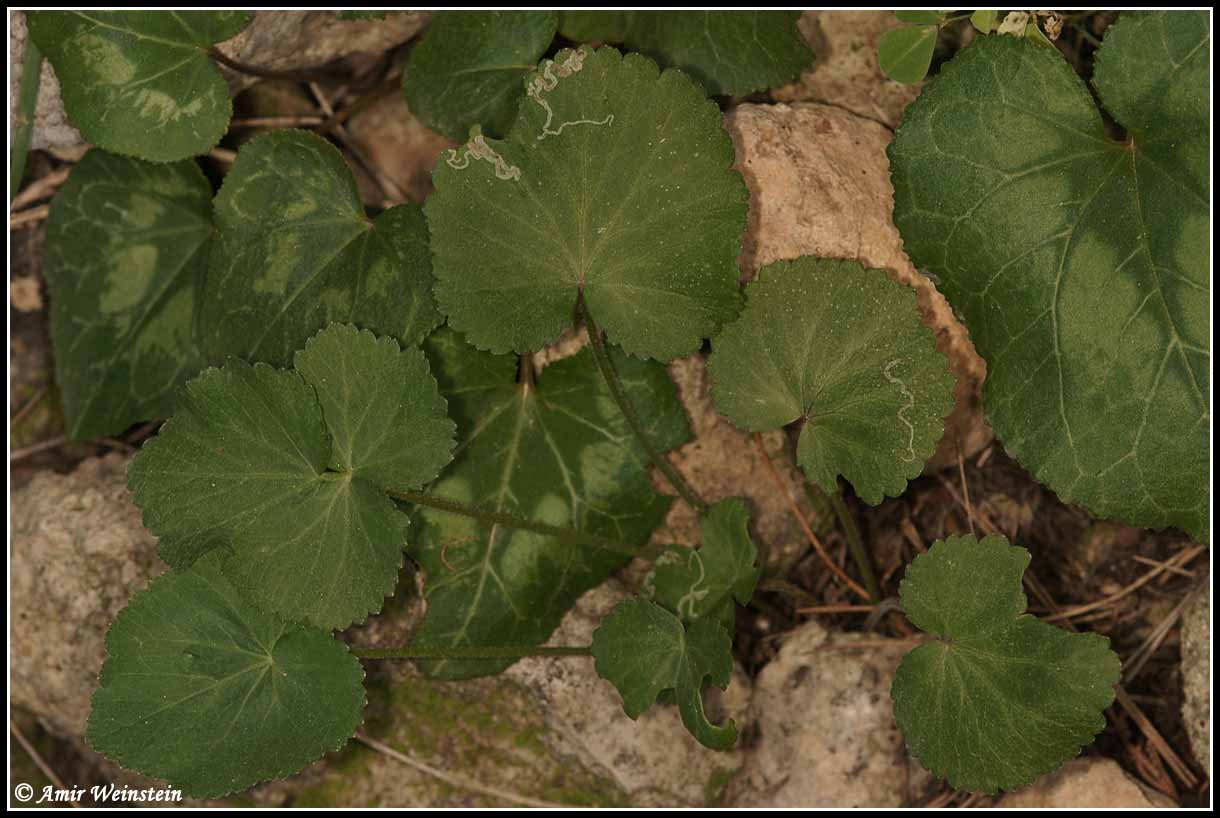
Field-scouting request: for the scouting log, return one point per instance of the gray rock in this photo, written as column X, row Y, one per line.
column 825, row 731
column 1196, row 672
column 1086, row 783
column 79, row 552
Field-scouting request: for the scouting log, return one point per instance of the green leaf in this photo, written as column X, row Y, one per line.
column 140, row 82
column 207, row 691
column 126, row 254
column 644, row 650
column 843, row 348
column 469, row 68
column 294, row 251
column 921, row 17
column 285, row 473
column 905, row 53
column 729, row 52
column 1079, row 264
column 984, row 20
column 595, row 26
column 557, row 452
column 704, row 581
column 615, row 180
column 1000, row 697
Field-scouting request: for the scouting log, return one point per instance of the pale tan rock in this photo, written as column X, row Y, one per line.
column 1086, row 783
column 824, row 731
column 653, row 758
column 1196, row 672
column 819, row 185
column 79, row 553
column 52, row 131
column 723, row 461
column 845, row 72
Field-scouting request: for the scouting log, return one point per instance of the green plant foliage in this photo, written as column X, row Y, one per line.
column 729, row 52
column 844, row 349
column 284, row 472
column 984, row 20
column 557, row 451
column 920, row 18
column 644, row 651
column 470, row 66
column 294, row 251
column 905, row 53
column 1079, row 264
column 1000, row 697
column 209, row 692
column 705, row 581
column 126, row 254
column 140, row 82
column 616, row 180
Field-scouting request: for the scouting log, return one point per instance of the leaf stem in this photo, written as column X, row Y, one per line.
column 27, row 107
column 854, row 543
column 471, row 653
column 602, row 357
column 565, row 535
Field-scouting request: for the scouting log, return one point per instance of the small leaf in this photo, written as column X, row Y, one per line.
column 616, row 180
column 127, row 250
column 557, row 452
column 984, row 20
column 242, row 467
column 1000, row 697
column 1079, row 264
column 140, row 82
column 905, row 53
column 205, row 690
column 920, row 18
column 469, row 68
column 295, row 251
column 704, row 581
column 843, row 348
column 644, row 650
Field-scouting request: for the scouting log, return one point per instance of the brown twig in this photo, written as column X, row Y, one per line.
column 390, row 189
column 28, row 407
column 33, row 449
column 40, row 188
column 27, row 218
column 804, row 524
column 1177, row 560
column 38, row 760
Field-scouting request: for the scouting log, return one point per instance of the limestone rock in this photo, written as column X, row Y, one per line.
column 52, row 131
column 79, row 552
column 1086, row 783
column 824, row 727
column 1196, row 668
column 819, row 185
column 846, row 73
column 653, row 759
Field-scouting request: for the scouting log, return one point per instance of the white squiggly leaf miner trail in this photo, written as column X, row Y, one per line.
column 478, row 148
column 906, row 393
column 546, row 81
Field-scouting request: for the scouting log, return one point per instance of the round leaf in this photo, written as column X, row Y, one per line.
column 468, row 68
column 1000, row 697
column 294, row 251
column 127, row 250
column 242, row 467
column 140, row 82
column 905, row 53
column 1079, row 264
column 704, row 581
column 214, row 695
column 844, row 349
column 616, row 180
